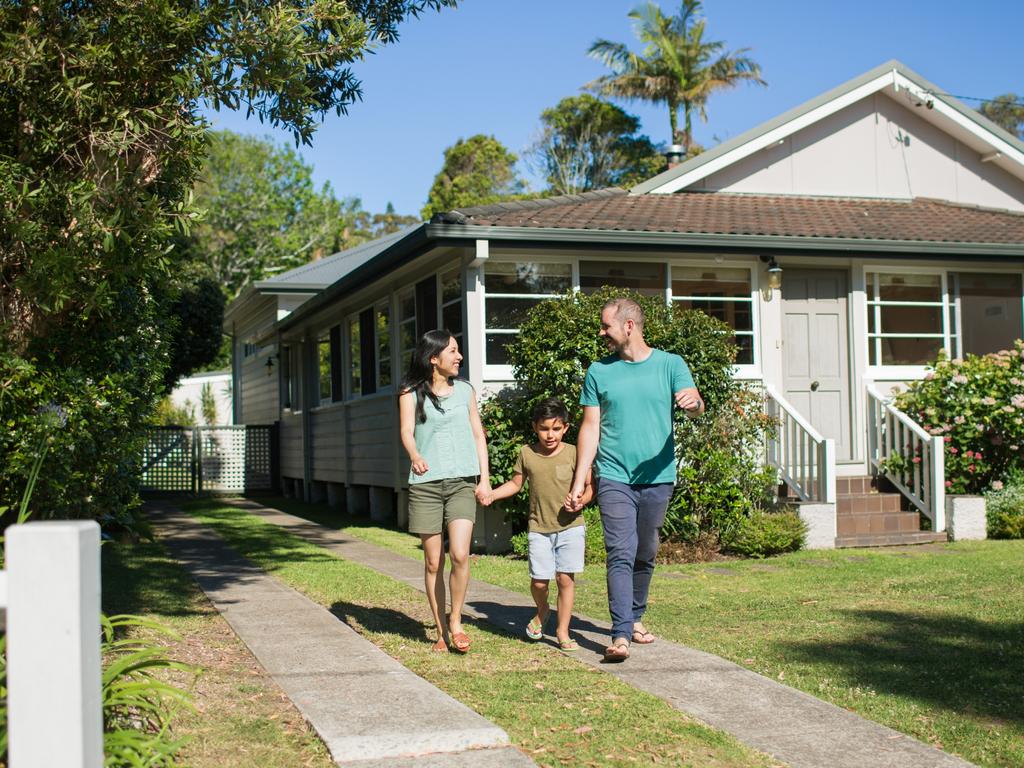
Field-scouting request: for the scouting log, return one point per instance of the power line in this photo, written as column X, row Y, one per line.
column 994, row 100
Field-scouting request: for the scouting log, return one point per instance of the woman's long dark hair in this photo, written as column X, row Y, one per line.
column 421, row 371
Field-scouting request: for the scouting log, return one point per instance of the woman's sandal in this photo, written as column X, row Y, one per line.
column 460, row 642
column 535, row 629
column 440, row 646
column 617, row 651
column 568, row 646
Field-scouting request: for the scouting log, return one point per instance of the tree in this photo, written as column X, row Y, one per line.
column 476, row 171
column 101, row 143
column 1006, row 111
column 586, row 143
column 677, row 67
column 262, row 213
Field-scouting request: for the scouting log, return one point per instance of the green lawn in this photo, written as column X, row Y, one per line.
column 242, row 719
column 557, row 710
column 928, row 641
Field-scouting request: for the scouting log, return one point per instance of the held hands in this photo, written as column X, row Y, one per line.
column 573, row 501
column 484, row 494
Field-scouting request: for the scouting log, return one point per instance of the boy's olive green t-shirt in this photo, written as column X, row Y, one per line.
column 549, row 478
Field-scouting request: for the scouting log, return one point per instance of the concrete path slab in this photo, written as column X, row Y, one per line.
column 368, row 709
column 788, row 724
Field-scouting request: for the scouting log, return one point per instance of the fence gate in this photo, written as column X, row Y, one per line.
column 210, row 459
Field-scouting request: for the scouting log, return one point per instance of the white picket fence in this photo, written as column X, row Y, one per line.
column 51, row 591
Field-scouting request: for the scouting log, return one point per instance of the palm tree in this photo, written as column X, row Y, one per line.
column 677, row 67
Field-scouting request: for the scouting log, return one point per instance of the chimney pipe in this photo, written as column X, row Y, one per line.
column 674, row 155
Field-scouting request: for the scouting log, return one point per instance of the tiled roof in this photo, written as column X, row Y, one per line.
column 920, row 219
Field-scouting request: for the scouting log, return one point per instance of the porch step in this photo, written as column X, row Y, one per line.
column 868, row 503
column 869, row 523
column 889, row 539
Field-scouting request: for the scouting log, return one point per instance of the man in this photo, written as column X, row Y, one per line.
column 627, row 427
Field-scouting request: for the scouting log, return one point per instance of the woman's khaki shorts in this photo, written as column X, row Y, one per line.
column 435, row 504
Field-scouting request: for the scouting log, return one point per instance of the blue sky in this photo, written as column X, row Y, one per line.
column 491, row 66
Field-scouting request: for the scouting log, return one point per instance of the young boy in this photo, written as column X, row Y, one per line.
column 556, row 535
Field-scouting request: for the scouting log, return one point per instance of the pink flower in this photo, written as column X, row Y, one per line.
column 997, row 485
column 916, row 459
column 970, row 467
column 988, row 401
column 959, row 420
column 949, row 483
column 947, row 439
column 952, row 449
column 959, row 379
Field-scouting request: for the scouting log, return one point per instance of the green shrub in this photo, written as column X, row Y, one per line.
column 977, row 406
column 1004, row 509
column 167, row 414
column 721, row 478
column 767, row 533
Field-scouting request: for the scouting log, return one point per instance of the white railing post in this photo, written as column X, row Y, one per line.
column 55, row 715
column 937, row 493
column 827, row 478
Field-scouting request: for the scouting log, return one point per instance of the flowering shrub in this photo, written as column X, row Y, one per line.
column 1004, row 508
column 977, row 406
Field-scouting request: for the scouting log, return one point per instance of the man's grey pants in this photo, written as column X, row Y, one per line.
column 631, row 516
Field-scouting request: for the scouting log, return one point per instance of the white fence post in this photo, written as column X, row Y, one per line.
column 54, row 711
column 937, row 493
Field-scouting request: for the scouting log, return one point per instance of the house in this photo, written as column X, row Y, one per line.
column 846, row 242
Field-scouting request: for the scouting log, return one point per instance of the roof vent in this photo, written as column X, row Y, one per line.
column 675, row 154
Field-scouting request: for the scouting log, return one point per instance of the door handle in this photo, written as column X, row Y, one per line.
column 814, row 386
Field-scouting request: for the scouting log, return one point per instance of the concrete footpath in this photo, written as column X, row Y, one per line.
column 788, row 724
column 368, row 709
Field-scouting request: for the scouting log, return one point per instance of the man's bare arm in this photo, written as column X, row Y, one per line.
column 586, row 450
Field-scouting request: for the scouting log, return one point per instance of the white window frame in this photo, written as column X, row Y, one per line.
column 399, row 322
column 442, row 305
column 751, row 370
column 496, row 372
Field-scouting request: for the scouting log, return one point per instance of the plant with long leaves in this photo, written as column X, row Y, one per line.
column 677, row 66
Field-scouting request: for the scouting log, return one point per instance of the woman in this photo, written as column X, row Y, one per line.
column 441, row 432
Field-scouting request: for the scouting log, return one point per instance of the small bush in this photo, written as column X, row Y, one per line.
column 1004, row 509
column 977, row 406
column 767, row 533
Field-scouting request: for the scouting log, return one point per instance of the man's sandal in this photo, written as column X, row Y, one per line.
column 617, row 651
column 535, row 629
column 643, row 637
column 568, row 646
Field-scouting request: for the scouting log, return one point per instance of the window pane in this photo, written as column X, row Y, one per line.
column 451, row 318
column 715, row 281
column 508, row 313
column 324, row 355
column 527, row 277
column 383, row 345
column 908, row 351
column 407, row 336
column 496, row 353
column 451, row 285
column 407, row 306
column 911, row 319
column 990, row 310
column 355, row 378
column 737, row 314
column 745, row 351
column 646, row 278
column 909, row 287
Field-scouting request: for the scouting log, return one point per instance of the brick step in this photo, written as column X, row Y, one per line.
column 889, row 539
column 876, row 522
column 858, row 485
column 869, row 503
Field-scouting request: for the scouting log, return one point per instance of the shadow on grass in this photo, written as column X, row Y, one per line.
column 142, row 578
column 382, row 620
column 319, row 513
column 960, row 664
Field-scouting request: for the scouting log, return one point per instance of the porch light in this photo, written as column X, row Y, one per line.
column 773, row 281
column 269, row 364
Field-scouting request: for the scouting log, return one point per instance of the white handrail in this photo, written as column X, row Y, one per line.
column 922, row 481
column 804, row 458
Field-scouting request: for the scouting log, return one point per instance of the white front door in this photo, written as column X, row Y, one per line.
column 815, row 351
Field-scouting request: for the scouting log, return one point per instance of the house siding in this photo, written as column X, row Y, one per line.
column 876, row 147
column 292, row 445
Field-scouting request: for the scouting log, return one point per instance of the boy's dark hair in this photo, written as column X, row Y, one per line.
column 552, row 408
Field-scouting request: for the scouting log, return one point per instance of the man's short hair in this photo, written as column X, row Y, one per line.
column 551, row 408
column 627, row 309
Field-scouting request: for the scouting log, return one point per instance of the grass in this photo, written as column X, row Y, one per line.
column 242, row 719
column 557, row 710
column 926, row 640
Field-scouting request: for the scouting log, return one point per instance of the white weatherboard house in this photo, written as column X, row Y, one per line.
column 894, row 212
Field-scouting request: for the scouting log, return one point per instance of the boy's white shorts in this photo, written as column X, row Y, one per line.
column 561, row 551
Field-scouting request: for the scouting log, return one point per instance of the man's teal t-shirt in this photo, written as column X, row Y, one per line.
column 636, row 402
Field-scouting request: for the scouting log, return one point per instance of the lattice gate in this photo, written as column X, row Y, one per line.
column 198, row 460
